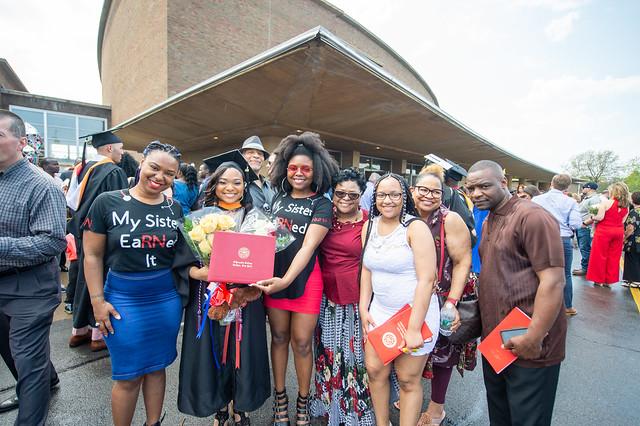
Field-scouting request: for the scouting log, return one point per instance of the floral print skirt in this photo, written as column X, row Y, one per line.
column 341, row 383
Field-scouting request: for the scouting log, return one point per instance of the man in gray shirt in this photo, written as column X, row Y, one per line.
column 32, row 235
column 590, row 199
column 565, row 210
column 261, row 194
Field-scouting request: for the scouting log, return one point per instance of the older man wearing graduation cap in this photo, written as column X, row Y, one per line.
column 254, row 153
column 89, row 180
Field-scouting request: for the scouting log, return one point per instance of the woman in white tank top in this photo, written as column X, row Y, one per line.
column 399, row 267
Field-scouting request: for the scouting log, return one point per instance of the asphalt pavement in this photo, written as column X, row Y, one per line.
column 599, row 380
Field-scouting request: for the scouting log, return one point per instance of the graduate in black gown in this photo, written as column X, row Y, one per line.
column 206, row 388
column 89, row 180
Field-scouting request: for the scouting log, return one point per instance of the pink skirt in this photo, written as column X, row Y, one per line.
column 308, row 303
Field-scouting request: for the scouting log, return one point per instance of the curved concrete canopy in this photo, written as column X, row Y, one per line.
column 317, row 82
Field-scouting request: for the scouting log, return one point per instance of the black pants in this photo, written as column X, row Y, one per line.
column 521, row 396
column 5, row 350
column 71, row 286
column 29, row 321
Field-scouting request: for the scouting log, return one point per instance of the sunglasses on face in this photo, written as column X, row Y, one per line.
column 305, row 170
column 352, row 196
column 393, row 196
column 425, row 192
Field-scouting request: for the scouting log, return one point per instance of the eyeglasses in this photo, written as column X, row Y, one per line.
column 352, row 196
column 305, row 170
column 393, row 196
column 425, row 192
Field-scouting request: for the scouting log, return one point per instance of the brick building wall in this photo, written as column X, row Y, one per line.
column 145, row 59
column 134, row 56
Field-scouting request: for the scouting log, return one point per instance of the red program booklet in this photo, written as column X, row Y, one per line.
column 491, row 347
column 388, row 338
column 241, row 258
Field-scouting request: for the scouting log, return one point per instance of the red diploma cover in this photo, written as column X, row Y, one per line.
column 388, row 338
column 241, row 258
column 491, row 347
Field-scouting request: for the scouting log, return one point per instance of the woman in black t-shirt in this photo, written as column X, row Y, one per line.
column 302, row 170
column 133, row 234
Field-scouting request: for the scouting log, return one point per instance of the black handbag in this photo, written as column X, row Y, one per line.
column 468, row 308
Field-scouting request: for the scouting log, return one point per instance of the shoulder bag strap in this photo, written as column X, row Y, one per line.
column 441, row 267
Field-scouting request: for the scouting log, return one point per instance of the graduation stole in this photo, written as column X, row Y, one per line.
column 85, row 179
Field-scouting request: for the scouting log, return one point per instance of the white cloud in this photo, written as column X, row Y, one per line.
column 571, row 90
column 559, row 5
column 561, row 117
column 558, row 29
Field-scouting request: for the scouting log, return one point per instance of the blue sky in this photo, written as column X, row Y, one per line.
column 545, row 79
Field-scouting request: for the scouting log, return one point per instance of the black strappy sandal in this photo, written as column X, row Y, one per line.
column 302, row 410
column 242, row 421
column 159, row 422
column 281, row 408
column 222, row 417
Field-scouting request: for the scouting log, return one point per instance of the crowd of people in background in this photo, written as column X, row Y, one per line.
column 364, row 247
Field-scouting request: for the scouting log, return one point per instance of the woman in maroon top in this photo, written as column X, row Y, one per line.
column 342, row 394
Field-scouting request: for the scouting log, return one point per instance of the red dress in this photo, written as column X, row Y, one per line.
column 606, row 248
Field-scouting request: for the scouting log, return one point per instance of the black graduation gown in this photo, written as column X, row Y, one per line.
column 203, row 389
column 105, row 177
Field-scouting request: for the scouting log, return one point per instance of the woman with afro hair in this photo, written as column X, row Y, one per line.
column 301, row 173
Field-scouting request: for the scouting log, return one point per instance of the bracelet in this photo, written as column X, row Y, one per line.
column 98, row 296
column 453, row 301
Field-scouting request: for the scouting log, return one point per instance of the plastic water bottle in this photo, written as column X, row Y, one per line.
column 447, row 316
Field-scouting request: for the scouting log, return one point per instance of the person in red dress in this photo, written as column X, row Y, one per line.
column 608, row 239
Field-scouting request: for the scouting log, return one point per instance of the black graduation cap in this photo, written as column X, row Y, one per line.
column 102, row 138
column 235, row 157
column 97, row 140
column 455, row 172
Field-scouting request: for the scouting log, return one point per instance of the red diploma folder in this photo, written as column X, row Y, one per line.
column 241, row 258
column 388, row 338
column 491, row 347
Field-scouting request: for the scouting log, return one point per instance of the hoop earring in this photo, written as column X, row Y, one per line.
column 316, row 185
column 282, row 185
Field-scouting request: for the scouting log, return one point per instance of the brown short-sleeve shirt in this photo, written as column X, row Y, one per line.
column 518, row 240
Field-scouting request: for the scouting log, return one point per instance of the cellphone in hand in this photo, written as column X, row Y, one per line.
column 512, row 332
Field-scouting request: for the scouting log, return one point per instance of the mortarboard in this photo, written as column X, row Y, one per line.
column 97, row 140
column 102, row 138
column 236, row 159
column 456, row 172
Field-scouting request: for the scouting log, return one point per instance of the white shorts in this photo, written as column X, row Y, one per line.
column 381, row 314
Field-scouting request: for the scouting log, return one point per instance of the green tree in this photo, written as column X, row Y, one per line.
column 597, row 166
column 633, row 177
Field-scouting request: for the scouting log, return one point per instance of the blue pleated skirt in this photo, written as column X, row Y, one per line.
column 150, row 309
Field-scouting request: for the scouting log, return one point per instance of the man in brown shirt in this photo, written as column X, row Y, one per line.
column 522, row 266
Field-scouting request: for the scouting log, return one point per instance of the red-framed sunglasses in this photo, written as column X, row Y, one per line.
column 304, row 169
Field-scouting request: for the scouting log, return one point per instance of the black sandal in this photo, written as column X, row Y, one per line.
column 243, row 420
column 281, row 408
column 222, row 417
column 159, row 422
column 302, row 410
